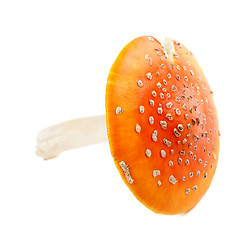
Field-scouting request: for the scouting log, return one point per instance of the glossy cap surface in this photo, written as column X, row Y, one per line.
column 162, row 124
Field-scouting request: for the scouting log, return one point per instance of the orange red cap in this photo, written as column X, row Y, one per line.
column 162, row 124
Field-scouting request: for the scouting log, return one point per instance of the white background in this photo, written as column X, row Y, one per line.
column 54, row 60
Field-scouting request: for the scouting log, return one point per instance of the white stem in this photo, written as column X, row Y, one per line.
column 71, row 134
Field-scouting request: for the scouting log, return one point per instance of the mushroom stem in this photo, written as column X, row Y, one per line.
column 71, row 134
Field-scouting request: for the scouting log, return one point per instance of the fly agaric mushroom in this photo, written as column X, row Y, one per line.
column 161, row 123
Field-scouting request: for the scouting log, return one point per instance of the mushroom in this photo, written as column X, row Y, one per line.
column 161, row 124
